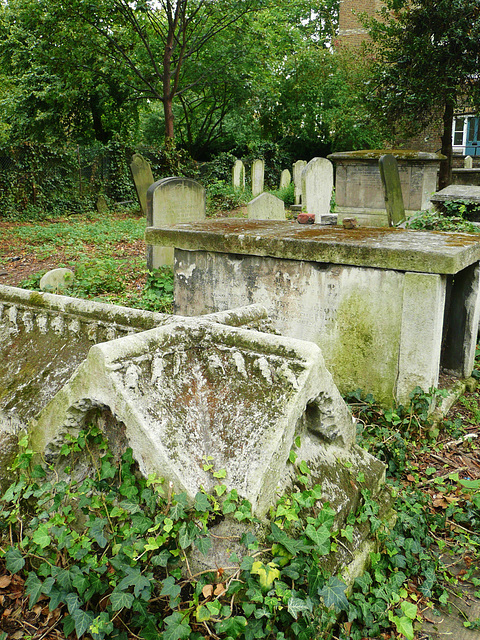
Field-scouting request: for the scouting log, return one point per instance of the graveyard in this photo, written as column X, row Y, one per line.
column 262, row 380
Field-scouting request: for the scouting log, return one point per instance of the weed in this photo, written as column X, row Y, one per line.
column 435, row 221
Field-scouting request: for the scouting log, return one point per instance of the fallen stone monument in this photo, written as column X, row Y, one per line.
column 181, row 391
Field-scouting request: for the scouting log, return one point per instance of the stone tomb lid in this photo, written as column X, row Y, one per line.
column 457, row 192
column 382, row 248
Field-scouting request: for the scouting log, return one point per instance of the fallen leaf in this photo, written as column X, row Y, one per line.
column 207, row 590
column 219, row 589
column 5, row 581
column 410, row 478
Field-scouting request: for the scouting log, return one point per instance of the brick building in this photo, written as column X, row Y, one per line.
column 466, row 126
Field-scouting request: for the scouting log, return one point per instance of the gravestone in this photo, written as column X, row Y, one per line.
column 258, row 171
column 169, row 201
column 392, row 189
column 468, row 162
column 266, row 206
column 142, row 178
column 56, row 280
column 238, row 175
column 102, row 204
column 285, row 179
column 298, row 168
column 317, row 187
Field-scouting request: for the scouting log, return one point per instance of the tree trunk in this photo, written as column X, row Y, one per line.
column 445, row 174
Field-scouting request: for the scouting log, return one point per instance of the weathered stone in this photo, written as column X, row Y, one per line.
column 285, row 179
column 358, row 187
column 298, row 168
column 142, row 179
column 57, row 279
column 468, row 162
column 258, row 171
column 317, row 187
column 266, row 206
column 306, row 218
column 456, row 192
column 169, row 201
column 392, row 189
column 238, row 175
column 102, row 204
column 361, row 317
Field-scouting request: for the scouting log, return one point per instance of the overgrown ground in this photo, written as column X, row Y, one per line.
column 428, row 563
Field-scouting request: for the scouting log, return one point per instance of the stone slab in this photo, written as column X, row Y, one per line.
column 457, row 192
column 392, row 189
column 142, row 178
column 400, row 249
column 266, row 206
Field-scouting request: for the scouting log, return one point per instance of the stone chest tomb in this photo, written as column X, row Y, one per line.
column 388, row 307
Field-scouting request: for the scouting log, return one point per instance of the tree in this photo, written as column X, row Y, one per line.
column 427, row 60
column 59, row 87
column 156, row 40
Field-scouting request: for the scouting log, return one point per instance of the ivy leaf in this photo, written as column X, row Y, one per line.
column 170, row 588
column 176, row 511
column 131, row 506
column 135, row 579
column 409, row 609
column 185, row 537
column 73, row 602
column 291, row 545
column 14, row 560
column 404, row 625
column 321, row 537
column 177, row 627
column 41, row 537
column 96, row 527
column 202, row 502
column 83, row 620
column 233, row 627
column 121, row 600
column 333, row 594
column 203, row 544
column 33, row 588
column 56, row 597
column 297, row 605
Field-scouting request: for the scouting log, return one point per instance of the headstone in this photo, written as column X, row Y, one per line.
column 56, row 280
column 266, row 206
column 169, row 201
column 285, row 179
column 258, row 171
column 392, row 189
column 238, row 175
column 142, row 178
column 317, row 187
column 468, row 162
column 102, row 204
column 298, row 168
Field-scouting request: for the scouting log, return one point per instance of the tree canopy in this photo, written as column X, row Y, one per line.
column 427, row 56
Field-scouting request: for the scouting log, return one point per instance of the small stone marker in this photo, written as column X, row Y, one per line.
column 238, row 175
column 56, row 280
column 102, row 205
column 468, row 162
column 266, row 206
column 285, row 179
column 298, row 168
column 142, row 178
column 305, row 218
column 317, row 187
column 392, row 189
column 169, row 201
column 258, row 172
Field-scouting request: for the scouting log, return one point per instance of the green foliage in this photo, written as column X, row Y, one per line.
column 435, row 221
column 287, row 194
column 111, row 549
column 158, row 291
column 222, row 197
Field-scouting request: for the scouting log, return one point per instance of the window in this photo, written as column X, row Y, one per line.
column 465, row 135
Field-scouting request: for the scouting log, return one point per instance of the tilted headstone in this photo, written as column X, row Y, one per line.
column 392, row 189
column 298, row 168
column 102, row 204
column 142, row 178
column 266, row 206
column 169, row 201
column 238, row 175
column 258, row 171
column 285, row 179
column 468, row 162
column 317, row 187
